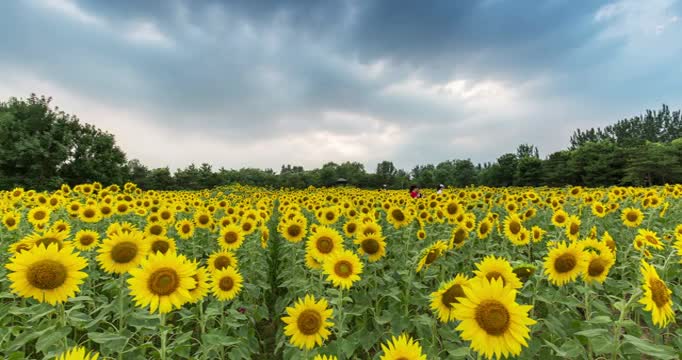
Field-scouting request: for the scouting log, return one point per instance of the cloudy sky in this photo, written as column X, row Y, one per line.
column 248, row 83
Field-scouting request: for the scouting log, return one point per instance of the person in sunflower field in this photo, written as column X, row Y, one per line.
column 414, row 192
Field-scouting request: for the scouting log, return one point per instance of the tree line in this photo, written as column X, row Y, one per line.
column 42, row 147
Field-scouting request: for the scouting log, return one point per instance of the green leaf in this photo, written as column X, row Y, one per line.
column 654, row 350
column 459, row 353
column 44, row 342
column 110, row 339
column 213, row 339
column 600, row 320
column 592, row 332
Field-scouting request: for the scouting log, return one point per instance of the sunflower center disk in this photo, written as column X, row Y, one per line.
column 203, row 219
column 450, row 296
column 632, row 217
column 596, row 267
column 659, row 292
column 222, row 262
column 124, row 252
column 565, row 263
column 460, row 235
column 163, row 281
column 160, row 246
column 10, row 222
column 398, row 215
column 309, row 322
column 330, row 216
column 493, row 317
column 226, row 283
column 294, row 230
column 156, row 230
column 351, row 228
column 431, row 257
column 370, row 246
column 89, row 213
column 325, row 245
column 514, row 227
column 574, row 229
column 453, row 209
column 47, row 274
column 39, row 215
column 86, row 240
column 343, row 269
column 231, row 237
column 185, row 229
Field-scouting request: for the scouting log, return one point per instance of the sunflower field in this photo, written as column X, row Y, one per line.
column 94, row 272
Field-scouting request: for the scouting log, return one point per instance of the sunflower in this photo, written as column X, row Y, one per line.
column 650, row 238
column 39, row 215
column 311, row 262
column 524, row 271
column 325, row 357
column 20, row 246
column 78, row 353
column 609, row 242
column 343, row 268
column 656, row 299
column 307, row 322
column 61, row 226
column 328, row 216
column 46, row 273
column 121, row 252
column 203, row 219
column 248, row 226
column 598, row 266
column 350, row 228
column 398, row 217
column 484, row 229
column 161, row 244
column 492, row 320
column 598, row 209
column 451, row 209
column 458, row 237
column 185, row 229
column 421, row 234
column 294, row 231
column 201, row 287
column 372, row 245
column 89, row 214
column 443, row 301
column 573, row 227
column 564, row 263
column 369, row 228
column 86, row 240
column 231, row 237
column 222, row 260
column 156, row 229
column 559, row 218
column 47, row 238
column 226, row 283
column 162, row 282
column 402, row 347
column 537, row 233
column 632, row 217
column 492, row 268
column 11, row 220
column 431, row 254
column 324, row 242
column 512, row 227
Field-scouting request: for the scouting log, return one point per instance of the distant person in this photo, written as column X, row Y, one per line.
column 440, row 189
column 414, row 192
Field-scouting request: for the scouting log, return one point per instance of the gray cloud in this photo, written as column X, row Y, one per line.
column 466, row 79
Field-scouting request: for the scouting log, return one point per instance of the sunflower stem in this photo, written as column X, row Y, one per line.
column 163, row 336
column 342, row 314
column 617, row 329
column 588, row 315
column 121, row 304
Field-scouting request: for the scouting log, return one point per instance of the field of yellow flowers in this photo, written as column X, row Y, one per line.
column 248, row 273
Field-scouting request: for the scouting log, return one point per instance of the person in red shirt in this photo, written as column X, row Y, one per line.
column 414, row 192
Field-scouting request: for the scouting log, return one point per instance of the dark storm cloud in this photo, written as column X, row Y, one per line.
column 240, row 70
